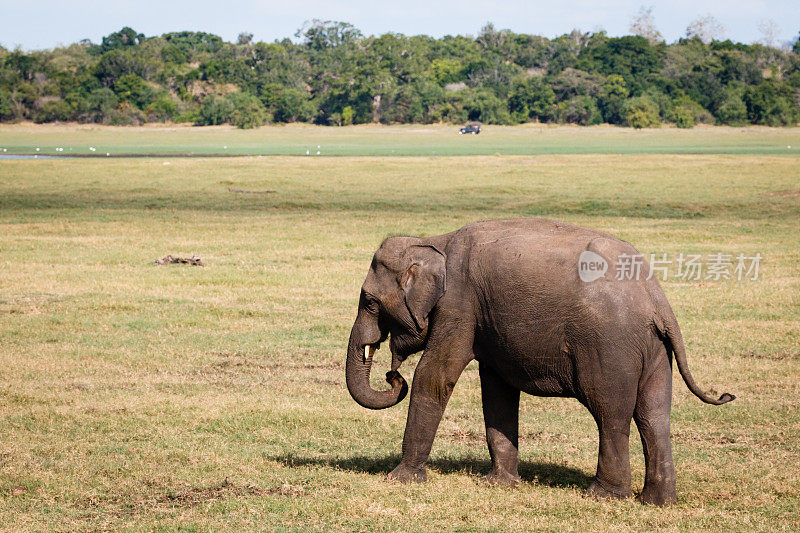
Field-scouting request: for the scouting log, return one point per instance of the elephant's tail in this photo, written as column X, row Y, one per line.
column 673, row 334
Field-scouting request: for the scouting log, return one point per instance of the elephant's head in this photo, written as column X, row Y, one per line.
column 404, row 283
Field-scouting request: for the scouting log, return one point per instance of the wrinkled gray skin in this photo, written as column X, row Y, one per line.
column 508, row 294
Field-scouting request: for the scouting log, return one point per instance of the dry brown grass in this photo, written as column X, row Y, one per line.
column 137, row 396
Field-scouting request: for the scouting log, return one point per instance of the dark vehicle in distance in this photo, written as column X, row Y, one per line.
column 474, row 128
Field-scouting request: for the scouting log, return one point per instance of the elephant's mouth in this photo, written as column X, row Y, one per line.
column 403, row 344
column 397, row 356
column 369, row 351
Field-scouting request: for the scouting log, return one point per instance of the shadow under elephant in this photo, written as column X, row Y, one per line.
column 550, row 474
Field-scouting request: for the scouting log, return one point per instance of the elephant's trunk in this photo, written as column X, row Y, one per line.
column 357, row 370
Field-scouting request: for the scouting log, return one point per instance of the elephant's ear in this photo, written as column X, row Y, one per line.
column 422, row 281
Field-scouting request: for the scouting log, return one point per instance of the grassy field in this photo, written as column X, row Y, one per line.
column 144, row 397
column 414, row 140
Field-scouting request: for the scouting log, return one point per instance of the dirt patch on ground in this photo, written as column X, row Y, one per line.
column 783, row 193
column 778, row 356
column 238, row 363
column 702, row 437
column 233, row 363
column 236, row 369
column 464, row 436
column 244, row 191
column 169, row 260
column 193, row 496
column 185, row 497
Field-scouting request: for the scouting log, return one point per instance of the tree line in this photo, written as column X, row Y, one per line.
column 333, row 75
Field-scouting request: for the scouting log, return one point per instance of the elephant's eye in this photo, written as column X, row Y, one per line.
column 372, row 306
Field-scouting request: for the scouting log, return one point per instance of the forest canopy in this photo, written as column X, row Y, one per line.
column 334, row 75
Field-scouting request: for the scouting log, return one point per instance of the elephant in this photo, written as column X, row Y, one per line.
column 509, row 294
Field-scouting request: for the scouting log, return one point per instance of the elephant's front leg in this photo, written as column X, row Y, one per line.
column 434, row 379
column 501, row 416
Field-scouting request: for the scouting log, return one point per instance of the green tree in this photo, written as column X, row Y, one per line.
column 101, row 104
column 612, row 98
column 127, row 115
column 347, row 115
column 161, row 109
column 6, row 109
column 641, row 112
column 291, row 105
column 431, row 98
column 21, row 64
column 730, row 108
column 684, row 117
column 573, row 82
column 320, row 34
column 771, row 103
column 335, row 74
column 195, row 44
column 248, row 111
column 173, row 54
column 527, row 51
column 580, row 109
column 117, row 63
column 531, row 98
column 55, row 110
column 663, row 102
column 563, row 53
column 214, row 110
column 446, row 70
column 631, row 57
column 485, row 106
column 126, row 37
column 134, row 89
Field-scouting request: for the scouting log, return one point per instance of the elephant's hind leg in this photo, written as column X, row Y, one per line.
column 652, row 420
column 611, row 399
column 613, row 478
column 501, row 416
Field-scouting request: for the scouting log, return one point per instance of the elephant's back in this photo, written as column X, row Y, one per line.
column 527, row 228
column 557, row 276
column 533, row 246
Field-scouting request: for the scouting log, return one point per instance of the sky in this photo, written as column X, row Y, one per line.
column 40, row 24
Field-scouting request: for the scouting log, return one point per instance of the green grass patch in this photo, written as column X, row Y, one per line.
column 392, row 141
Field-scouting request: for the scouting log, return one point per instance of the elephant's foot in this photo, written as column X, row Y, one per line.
column 502, row 478
column 599, row 491
column 407, row 474
column 655, row 495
